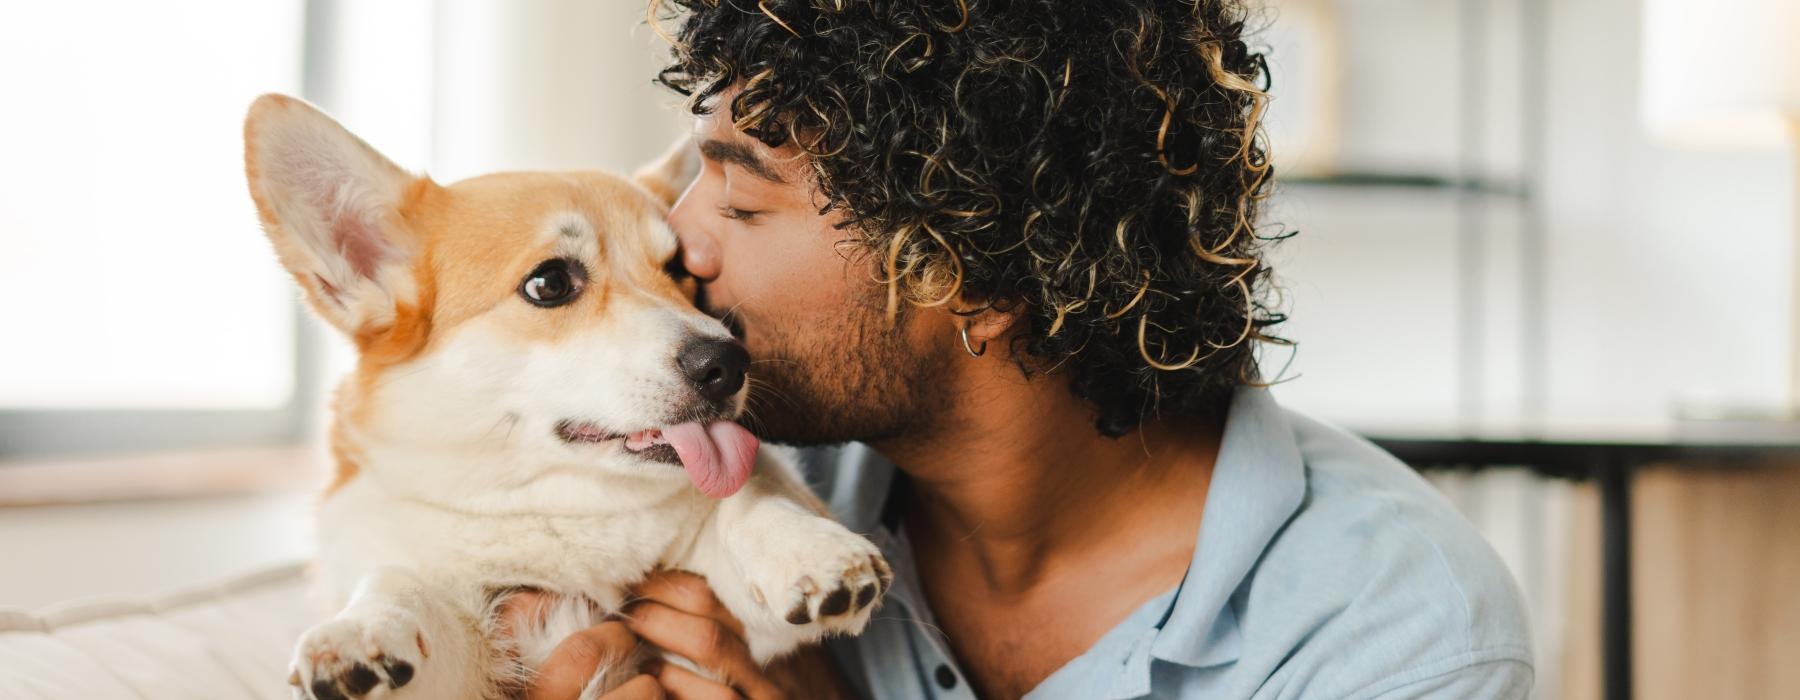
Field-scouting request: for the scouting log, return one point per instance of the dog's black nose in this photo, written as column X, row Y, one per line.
column 716, row 367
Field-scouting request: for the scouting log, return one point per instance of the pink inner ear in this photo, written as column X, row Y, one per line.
column 355, row 239
column 329, row 180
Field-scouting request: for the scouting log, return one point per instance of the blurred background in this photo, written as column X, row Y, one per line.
column 1546, row 253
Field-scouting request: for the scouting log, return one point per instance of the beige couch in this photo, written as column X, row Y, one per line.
column 229, row 642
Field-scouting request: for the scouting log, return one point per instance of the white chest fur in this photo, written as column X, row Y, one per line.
column 364, row 526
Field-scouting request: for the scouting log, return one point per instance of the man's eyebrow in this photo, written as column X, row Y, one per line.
column 740, row 155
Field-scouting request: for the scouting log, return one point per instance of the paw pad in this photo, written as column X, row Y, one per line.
column 351, row 658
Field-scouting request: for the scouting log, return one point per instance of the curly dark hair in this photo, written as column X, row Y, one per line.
column 1096, row 166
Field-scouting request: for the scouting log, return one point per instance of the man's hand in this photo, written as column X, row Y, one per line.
column 677, row 612
column 574, row 660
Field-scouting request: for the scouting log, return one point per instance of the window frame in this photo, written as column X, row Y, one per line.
column 35, row 433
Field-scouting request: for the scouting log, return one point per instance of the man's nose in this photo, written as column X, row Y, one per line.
column 699, row 247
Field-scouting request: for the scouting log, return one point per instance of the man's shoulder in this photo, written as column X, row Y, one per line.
column 1363, row 501
column 1377, row 575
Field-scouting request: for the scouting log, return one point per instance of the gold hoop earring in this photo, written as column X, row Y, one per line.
column 973, row 351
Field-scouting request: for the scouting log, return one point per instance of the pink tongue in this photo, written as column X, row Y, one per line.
column 718, row 456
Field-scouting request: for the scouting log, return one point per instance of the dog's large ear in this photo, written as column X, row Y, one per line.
column 331, row 205
column 669, row 174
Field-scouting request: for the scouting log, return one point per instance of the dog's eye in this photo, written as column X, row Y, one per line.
column 553, row 283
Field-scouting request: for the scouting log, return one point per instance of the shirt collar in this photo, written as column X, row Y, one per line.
column 860, row 491
column 1258, row 483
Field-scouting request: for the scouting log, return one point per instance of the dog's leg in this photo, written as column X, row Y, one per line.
column 788, row 571
column 398, row 638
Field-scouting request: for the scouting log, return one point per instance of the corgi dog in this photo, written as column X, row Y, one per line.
column 536, row 405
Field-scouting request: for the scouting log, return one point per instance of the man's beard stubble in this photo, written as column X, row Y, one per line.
column 845, row 374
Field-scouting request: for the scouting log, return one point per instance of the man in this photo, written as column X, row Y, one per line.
column 1009, row 251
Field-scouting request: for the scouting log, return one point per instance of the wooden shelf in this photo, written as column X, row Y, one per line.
column 1409, row 181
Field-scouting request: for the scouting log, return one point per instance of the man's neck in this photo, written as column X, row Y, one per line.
column 1017, row 479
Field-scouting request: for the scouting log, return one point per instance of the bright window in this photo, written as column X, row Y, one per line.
column 133, row 274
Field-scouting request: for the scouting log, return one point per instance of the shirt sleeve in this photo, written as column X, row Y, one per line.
column 1501, row 679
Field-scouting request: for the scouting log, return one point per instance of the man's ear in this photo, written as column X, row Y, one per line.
column 668, row 175
column 990, row 325
column 331, row 205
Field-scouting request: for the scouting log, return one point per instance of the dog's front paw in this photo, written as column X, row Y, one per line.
column 822, row 574
column 367, row 655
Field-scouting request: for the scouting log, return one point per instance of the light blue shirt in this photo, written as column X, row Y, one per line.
column 1324, row 568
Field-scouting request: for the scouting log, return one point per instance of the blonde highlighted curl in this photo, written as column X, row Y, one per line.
column 1096, row 167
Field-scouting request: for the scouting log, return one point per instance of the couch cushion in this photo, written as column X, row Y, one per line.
column 230, row 642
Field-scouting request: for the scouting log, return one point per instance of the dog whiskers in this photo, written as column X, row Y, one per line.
column 763, row 391
column 751, row 420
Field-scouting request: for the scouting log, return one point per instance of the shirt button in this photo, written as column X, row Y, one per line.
column 946, row 678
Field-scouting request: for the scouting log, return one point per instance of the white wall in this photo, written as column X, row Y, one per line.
column 1668, row 270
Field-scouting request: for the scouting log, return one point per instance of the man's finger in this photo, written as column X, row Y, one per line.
column 575, row 660
column 688, row 593
column 682, row 684
column 639, row 688
column 702, row 640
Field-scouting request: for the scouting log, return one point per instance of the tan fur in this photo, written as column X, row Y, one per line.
column 452, row 485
